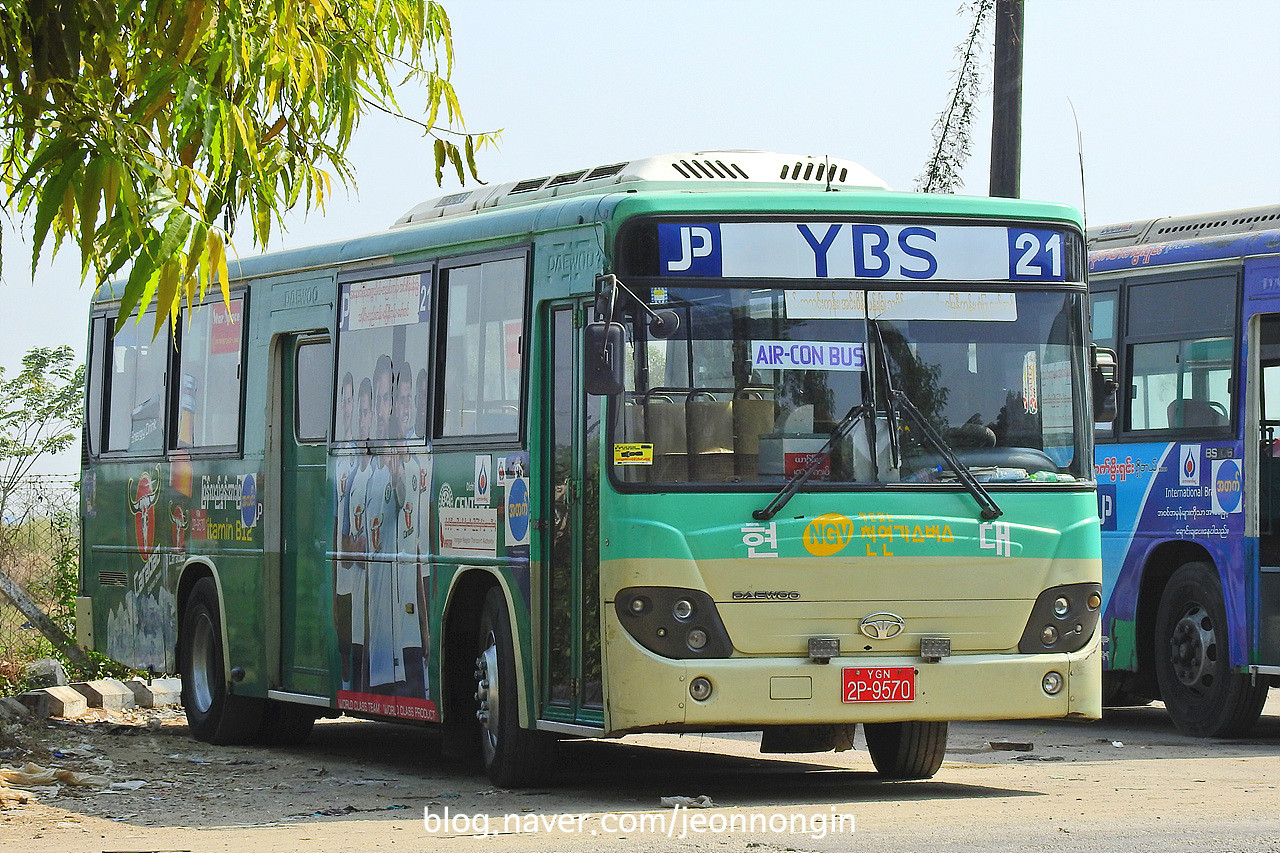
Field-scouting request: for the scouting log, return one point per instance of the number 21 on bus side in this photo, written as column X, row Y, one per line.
column 879, row 684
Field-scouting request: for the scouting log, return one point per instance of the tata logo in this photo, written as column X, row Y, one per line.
column 882, row 626
column 828, row 534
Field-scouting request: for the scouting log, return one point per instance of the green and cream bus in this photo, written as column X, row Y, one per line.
column 707, row 442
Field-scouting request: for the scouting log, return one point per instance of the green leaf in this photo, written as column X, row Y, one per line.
column 52, row 196
column 456, row 159
column 167, row 294
column 89, row 197
column 440, row 158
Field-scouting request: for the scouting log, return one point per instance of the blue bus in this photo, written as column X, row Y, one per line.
column 1189, row 471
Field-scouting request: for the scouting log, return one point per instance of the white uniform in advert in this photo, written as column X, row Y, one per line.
column 383, row 653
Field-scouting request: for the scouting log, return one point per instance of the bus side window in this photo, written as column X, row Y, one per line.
column 96, row 380
column 482, row 348
column 1180, row 354
column 136, row 396
column 209, row 375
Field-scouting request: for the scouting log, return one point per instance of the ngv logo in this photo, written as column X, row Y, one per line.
column 689, row 249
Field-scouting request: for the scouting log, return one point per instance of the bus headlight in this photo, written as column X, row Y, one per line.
column 673, row 622
column 1063, row 619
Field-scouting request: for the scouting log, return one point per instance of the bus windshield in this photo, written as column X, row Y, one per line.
column 752, row 384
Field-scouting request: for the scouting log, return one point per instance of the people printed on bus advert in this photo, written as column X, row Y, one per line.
column 383, row 498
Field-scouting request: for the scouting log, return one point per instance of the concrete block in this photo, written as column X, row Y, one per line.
column 46, row 672
column 107, row 693
column 55, row 702
column 160, row 692
column 11, row 708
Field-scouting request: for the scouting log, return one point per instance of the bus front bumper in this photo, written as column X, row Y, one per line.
column 646, row 691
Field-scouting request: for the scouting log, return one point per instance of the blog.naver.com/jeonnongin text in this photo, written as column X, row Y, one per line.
column 678, row 822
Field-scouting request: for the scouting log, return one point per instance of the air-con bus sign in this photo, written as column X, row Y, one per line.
column 859, row 250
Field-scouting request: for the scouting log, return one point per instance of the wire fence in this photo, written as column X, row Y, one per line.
column 40, row 549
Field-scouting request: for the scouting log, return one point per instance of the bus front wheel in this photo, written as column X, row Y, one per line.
column 1193, row 668
column 910, row 750
column 513, row 756
column 214, row 713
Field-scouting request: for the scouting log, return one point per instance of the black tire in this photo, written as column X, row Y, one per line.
column 1203, row 696
column 911, row 750
column 214, row 713
column 513, row 756
column 286, row 723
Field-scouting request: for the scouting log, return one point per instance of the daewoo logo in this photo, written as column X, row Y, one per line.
column 882, row 626
column 828, row 534
column 766, row 595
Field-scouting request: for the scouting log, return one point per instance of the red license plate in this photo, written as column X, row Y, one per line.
column 879, row 684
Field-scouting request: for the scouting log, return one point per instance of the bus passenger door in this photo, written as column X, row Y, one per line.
column 306, row 515
column 570, row 635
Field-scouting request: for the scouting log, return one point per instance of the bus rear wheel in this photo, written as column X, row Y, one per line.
column 910, row 750
column 513, row 756
column 1193, row 668
column 214, row 713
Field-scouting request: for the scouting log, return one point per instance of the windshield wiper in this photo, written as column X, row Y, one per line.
column 793, row 485
column 990, row 509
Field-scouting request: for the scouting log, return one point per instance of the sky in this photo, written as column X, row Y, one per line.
column 1175, row 100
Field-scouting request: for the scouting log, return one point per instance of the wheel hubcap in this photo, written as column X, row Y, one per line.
column 203, row 667
column 1193, row 648
column 487, row 695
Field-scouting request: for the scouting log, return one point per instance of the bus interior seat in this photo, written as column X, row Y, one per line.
column 1194, row 413
column 710, row 432
column 752, row 418
column 665, row 429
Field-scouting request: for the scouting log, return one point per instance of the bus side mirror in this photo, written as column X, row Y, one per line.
column 1104, row 385
column 603, row 349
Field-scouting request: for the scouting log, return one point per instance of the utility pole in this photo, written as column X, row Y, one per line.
column 1006, row 101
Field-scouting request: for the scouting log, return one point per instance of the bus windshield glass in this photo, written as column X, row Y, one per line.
column 752, row 384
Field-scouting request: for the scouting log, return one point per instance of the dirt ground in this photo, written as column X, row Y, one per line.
column 1128, row 783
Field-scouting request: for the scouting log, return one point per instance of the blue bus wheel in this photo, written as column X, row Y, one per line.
column 1193, row 667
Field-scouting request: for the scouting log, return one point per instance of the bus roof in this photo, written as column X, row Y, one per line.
column 690, row 184
column 1170, row 228
column 1241, row 233
column 694, row 171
